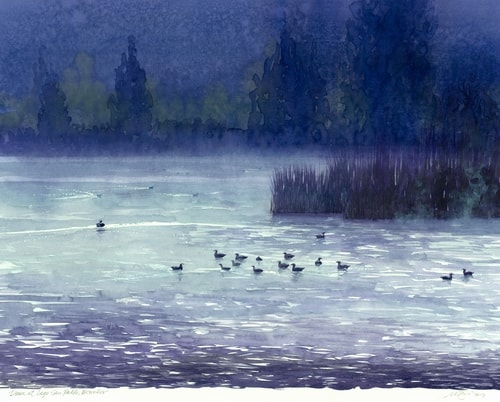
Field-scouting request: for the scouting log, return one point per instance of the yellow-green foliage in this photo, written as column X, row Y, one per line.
column 85, row 96
column 216, row 104
column 10, row 117
column 18, row 112
column 241, row 106
column 230, row 110
column 160, row 109
column 178, row 108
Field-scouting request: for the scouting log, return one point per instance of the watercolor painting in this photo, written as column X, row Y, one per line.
column 246, row 195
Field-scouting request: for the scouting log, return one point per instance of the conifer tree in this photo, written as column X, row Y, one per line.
column 131, row 104
column 468, row 115
column 54, row 122
column 291, row 94
column 389, row 70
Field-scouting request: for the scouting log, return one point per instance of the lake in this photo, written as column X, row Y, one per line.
column 86, row 308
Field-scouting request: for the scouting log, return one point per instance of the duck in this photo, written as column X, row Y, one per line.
column 258, row 259
column 297, row 269
column 318, row 262
column 282, row 265
column 320, row 235
column 447, row 277
column 224, row 268
column 257, row 270
column 218, row 255
column 288, row 256
column 235, row 263
column 100, row 224
column 342, row 267
column 240, row 257
column 178, row 267
column 467, row 273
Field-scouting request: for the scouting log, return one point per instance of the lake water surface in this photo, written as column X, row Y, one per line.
column 87, row 308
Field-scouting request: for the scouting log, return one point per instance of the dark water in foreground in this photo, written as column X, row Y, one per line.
column 81, row 308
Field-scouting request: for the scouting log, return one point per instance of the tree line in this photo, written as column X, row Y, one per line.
column 385, row 85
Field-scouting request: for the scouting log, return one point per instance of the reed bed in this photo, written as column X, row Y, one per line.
column 391, row 184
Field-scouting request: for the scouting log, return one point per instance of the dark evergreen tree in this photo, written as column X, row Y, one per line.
column 291, row 96
column 389, row 74
column 467, row 115
column 132, row 103
column 54, row 122
column 267, row 98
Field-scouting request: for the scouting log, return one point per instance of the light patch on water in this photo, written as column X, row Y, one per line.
column 8, row 265
column 358, row 356
column 371, row 248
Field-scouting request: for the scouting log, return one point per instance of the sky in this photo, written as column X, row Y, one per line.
column 189, row 41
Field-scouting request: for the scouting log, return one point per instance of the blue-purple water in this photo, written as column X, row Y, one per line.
column 82, row 308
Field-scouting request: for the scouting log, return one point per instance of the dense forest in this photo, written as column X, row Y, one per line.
column 390, row 81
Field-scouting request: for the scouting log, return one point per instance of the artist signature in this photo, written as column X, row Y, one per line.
column 461, row 395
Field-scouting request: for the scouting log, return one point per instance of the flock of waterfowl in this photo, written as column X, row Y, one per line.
column 282, row 265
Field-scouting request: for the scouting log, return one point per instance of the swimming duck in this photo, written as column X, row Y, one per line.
column 257, row 270
column 282, row 265
column 297, row 269
column 447, row 277
column 320, row 235
column 288, row 256
column 100, row 224
column 342, row 267
column 177, row 267
column 318, row 262
column 467, row 273
column 224, row 268
column 258, row 259
column 240, row 257
column 218, row 255
column 235, row 263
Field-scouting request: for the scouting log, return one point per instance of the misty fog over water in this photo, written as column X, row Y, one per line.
column 81, row 307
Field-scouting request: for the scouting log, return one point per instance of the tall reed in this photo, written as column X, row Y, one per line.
column 390, row 184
